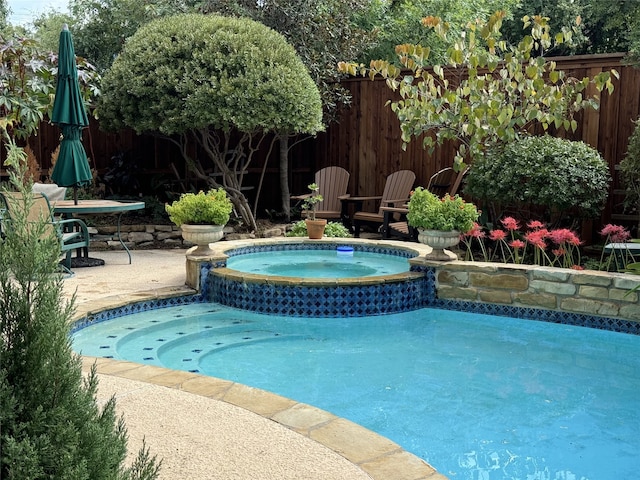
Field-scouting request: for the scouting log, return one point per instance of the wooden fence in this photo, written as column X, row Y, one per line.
column 367, row 142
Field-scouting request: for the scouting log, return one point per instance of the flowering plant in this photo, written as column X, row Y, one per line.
column 622, row 260
column 541, row 246
column 428, row 211
column 211, row 208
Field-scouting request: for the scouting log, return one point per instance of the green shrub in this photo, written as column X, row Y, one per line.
column 51, row 424
column 333, row 229
column 428, row 211
column 211, row 208
column 215, row 84
column 630, row 170
column 554, row 173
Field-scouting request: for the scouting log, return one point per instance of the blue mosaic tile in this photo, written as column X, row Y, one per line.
column 321, row 246
column 318, row 301
column 552, row 316
column 144, row 306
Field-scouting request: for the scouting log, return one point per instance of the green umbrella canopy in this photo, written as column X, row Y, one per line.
column 72, row 167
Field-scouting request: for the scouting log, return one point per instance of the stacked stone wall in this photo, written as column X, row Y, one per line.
column 157, row 236
column 136, row 237
column 590, row 292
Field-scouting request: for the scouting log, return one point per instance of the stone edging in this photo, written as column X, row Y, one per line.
column 586, row 292
column 374, row 454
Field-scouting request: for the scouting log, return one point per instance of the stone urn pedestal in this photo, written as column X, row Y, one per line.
column 438, row 240
column 202, row 236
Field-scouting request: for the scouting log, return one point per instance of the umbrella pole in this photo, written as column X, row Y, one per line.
column 75, row 195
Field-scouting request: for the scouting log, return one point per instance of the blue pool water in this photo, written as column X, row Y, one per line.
column 478, row 397
column 314, row 263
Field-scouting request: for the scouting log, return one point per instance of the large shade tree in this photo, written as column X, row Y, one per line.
column 225, row 84
column 398, row 22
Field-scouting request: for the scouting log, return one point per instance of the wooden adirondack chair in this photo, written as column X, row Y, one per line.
column 72, row 233
column 332, row 183
column 396, row 192
column 440, row 182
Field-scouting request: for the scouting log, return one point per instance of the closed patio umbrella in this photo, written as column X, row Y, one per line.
column 72, row 167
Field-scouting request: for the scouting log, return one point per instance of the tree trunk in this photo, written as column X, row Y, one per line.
column 285, row 195
column 229, row 164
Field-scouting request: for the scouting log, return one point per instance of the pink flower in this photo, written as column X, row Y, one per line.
column 497, row 235
column 558, row 252
column 510, row 223
column 535, row 224
column 610, row 229
column 475, row 232
column 577, row 267
column 516, row 244
column 536, row 238
column 564, row 235
column 616, row 233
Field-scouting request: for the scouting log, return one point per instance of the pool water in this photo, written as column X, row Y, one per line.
column 479, row 397
column 313, row 263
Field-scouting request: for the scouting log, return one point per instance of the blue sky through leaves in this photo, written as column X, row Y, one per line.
column 24, row 11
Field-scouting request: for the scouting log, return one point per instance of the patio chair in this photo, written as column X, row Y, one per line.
column 51, row 190
column 72, row 233
column 441, row 181
column 332, row 183
column 396, row 193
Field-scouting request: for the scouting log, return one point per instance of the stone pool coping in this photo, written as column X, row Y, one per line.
column 218, row 258
column 374, row 454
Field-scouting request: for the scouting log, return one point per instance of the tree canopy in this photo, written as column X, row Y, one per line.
column 190, row 72
column 398, row 22
column 212, row 80
column 488, row 92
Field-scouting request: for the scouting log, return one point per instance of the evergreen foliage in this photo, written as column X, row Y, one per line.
column 553, row 173
column 50, row 424
column 630, row 171
column 211, row 208
column 225, row 84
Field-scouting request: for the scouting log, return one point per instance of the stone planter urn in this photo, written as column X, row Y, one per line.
column 439, row 240
column 202, row 236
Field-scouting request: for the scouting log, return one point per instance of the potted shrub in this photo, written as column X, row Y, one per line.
column 332, row 230
column 315, row 227
column 440, row 221
column 201, row 217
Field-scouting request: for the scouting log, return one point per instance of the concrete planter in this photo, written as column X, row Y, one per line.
column 202, row 236
column 439, row 240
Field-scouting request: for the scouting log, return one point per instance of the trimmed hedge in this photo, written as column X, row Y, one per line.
column 545, row 171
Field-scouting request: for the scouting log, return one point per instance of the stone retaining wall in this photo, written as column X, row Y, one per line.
column 590, row 292
column 155, row 236
column 137, row 236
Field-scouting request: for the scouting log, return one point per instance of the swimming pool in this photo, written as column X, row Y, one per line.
column 478, row 397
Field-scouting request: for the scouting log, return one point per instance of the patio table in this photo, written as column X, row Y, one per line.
column 67, row 208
